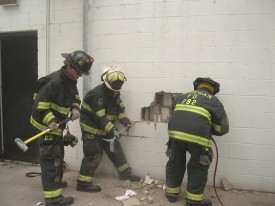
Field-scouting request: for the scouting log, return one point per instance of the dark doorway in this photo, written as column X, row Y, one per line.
column 18, row 77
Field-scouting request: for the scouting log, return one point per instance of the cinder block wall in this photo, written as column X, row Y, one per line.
column 164, row 46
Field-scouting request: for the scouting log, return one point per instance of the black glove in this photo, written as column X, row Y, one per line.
column 113, row 134
column 126, row 122
column 70, row 139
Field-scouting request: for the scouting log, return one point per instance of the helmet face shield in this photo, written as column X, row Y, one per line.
column 79, row 60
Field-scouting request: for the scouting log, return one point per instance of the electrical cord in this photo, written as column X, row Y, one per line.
column 33, row 174
column 216, row 166
column 36, row 174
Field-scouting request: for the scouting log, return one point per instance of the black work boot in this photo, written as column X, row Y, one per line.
column 171, row 197
column 59, row 201
column 64, row 184
column 205, row 202
column 132, row 178
column 87, row 187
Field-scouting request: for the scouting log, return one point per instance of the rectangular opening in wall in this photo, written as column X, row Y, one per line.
column 160, row 108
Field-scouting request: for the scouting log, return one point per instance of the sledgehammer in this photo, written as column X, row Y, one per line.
column 23, row 144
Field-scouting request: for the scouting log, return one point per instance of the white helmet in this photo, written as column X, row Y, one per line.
column 113, row 77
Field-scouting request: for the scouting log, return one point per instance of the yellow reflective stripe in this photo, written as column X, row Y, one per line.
column 120, row 116
column 86, row 106
column 108, row 127
column 61, row 110
column 111, row 117
column 216, row 127
column 85, row 178
column 120, row 76
column 173, row 190
column 48, row 118
column 195, row 197
column 43, row 105
column 76, row 105
column 42, row 127
column 52, row 194
column 100, row 113
column 122, row 167
column 195, row 109
column 34, row 96
column 91, row 130
column 190, row 138
column 77, row 97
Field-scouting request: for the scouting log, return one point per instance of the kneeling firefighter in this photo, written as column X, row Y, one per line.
column 195, row 117
column 100, row 108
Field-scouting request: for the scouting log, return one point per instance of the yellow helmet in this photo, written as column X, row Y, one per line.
column 113, row 77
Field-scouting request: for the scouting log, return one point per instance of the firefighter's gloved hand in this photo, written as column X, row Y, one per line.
column 113, row 134
column 70, row 139
column 75, row 114
column 126, row 122
column 53, row 126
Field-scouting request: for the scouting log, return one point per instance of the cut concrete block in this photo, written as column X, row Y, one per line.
column 148, row 180
column 131, row 202
column 226, row 184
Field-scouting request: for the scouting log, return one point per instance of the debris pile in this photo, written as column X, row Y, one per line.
column 143, row 190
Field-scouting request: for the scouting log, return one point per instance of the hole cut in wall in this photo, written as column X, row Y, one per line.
column 160, row 109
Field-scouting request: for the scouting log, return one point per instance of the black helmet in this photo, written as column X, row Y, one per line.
column 113, row 77
column 208, row 80
column 79, row 60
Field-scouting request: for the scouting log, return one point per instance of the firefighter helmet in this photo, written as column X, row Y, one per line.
column 203, row 81
column 113, row 77
column 79, row 60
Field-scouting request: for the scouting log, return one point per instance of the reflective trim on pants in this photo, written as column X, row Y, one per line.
column 195, row 197
column 84, row 178
column 52, row 194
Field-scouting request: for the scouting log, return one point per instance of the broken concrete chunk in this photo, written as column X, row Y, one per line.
column 148, row 180
column 150, row 200
column 131, row 202
column 226, row 184
column 130, row 193
column 122, row 198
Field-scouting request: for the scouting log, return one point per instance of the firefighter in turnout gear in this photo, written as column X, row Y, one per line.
column 56, row 96
column 100, row 108
column 195, row 117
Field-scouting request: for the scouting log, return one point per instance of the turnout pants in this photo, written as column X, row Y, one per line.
column 197, row 168
column 93, row 151
column 51, row 161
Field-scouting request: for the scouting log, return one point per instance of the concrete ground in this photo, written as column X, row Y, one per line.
column 17, row 189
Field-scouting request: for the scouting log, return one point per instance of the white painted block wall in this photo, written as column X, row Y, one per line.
column 163, row 45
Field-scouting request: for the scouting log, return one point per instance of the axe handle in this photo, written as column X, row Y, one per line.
column 46, row 131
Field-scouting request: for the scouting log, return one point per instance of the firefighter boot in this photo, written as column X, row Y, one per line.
column 87, row 187
column 59, row 201
column 64, row 184
column 205, row 202
column 132, row 178
column 127, row 175
column 171, row 197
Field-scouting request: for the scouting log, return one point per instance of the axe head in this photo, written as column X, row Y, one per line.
column 21, row 144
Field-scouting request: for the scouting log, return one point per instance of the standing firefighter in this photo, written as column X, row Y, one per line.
column 196, row 116
column 55, row 97
column 100, row 108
